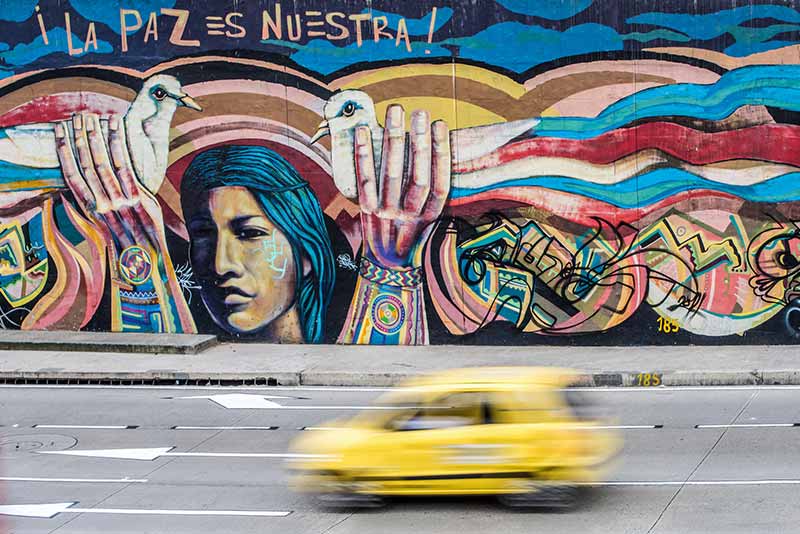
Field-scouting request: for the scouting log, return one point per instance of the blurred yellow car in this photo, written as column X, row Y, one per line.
column 518, row 433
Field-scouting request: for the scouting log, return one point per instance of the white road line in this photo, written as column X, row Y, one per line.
column 775, row 482
column 90, row 427
column 53, row 509
column 203, row 388
column 247, row 513
column 662, row 389
column 267, row 428
column 751, row 425
column 300, row 407
column 77, row 480
column 224, row 428
column 622, row 427
column 244, row 455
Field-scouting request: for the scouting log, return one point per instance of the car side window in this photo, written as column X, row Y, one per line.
column 455, row 410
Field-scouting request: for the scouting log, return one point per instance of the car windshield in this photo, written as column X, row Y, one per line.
column 389, row 407
column 410, row 410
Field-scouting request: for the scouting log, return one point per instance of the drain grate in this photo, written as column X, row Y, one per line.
column 200, row 382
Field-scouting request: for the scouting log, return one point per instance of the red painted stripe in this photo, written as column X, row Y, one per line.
column 61, row 107
column 574, row 207
column 778, row 143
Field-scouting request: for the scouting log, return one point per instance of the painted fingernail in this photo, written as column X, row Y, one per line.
column 77, row 121
column 89, row 123
column 440, row 129
column 113, row 123
column 361, row 134
column 419, row 122
column 59, row 129
column 395, row 115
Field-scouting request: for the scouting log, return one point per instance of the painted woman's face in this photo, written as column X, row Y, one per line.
column 243, row 262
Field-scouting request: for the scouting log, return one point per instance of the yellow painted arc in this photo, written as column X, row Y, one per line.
column 470, row 72
column 457, row 114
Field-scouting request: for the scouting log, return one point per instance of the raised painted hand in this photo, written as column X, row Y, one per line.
column 399, row 201
column 104, row 183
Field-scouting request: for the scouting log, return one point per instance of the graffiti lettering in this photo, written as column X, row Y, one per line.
column 273, row 253
column 648, row 379
column 668, row 326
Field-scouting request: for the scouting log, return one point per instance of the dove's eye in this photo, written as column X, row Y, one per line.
column 349, row 109
column 159, row 93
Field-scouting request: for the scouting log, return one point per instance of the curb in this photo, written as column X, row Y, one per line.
column 376, row 379
column 104, row 342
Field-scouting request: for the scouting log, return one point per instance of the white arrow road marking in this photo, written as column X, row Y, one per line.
column 238, row 401
column 52, row 510
column 157, row 452
column 35, row 510
column 119, row 454
column 77, row 480
column 241, row 400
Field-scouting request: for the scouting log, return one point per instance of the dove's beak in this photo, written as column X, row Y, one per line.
column 323, row 130
column 189, row 102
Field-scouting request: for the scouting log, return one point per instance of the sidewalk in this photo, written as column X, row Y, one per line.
column 105, row 341
column 336, row 365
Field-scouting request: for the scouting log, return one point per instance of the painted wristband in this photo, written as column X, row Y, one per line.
column 373, row 272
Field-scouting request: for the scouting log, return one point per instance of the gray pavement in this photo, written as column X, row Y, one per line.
column 672, row 476
column 335, row 365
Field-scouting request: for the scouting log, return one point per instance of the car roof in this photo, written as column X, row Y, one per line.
column 489, row 377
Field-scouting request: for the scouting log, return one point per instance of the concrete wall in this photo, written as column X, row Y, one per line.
column 578, row 172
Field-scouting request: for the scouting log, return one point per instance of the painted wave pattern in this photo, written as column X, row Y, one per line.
column 22, row 178
column 774, row 86
column 652, row 187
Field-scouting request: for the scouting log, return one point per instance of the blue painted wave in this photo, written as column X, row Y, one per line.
column 710, row 25
column 26, row 53
column 652, row 187
column 547, row 9
column 18, row 177
column 108, row 12
column 771, row 85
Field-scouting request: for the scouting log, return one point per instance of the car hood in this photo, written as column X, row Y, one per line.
column 331, row 441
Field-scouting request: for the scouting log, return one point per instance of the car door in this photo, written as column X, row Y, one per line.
column 450, row 445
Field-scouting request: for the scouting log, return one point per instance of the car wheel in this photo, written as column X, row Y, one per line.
column 544, row 496
column 349, row 500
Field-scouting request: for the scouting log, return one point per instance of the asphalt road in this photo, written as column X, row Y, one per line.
column 672, row 478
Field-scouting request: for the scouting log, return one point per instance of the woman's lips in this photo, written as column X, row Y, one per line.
column 235, row 299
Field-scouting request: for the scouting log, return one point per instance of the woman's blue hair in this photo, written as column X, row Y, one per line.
column 290, row 204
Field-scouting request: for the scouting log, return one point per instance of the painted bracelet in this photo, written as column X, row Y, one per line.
column 373, row 272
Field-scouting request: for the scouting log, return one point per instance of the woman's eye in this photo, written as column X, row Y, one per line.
column 251, row 233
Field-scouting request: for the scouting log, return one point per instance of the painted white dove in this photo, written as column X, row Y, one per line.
column 349, row 109
column 28, row 157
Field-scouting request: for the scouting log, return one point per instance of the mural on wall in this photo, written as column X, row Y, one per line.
column 499, row 171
